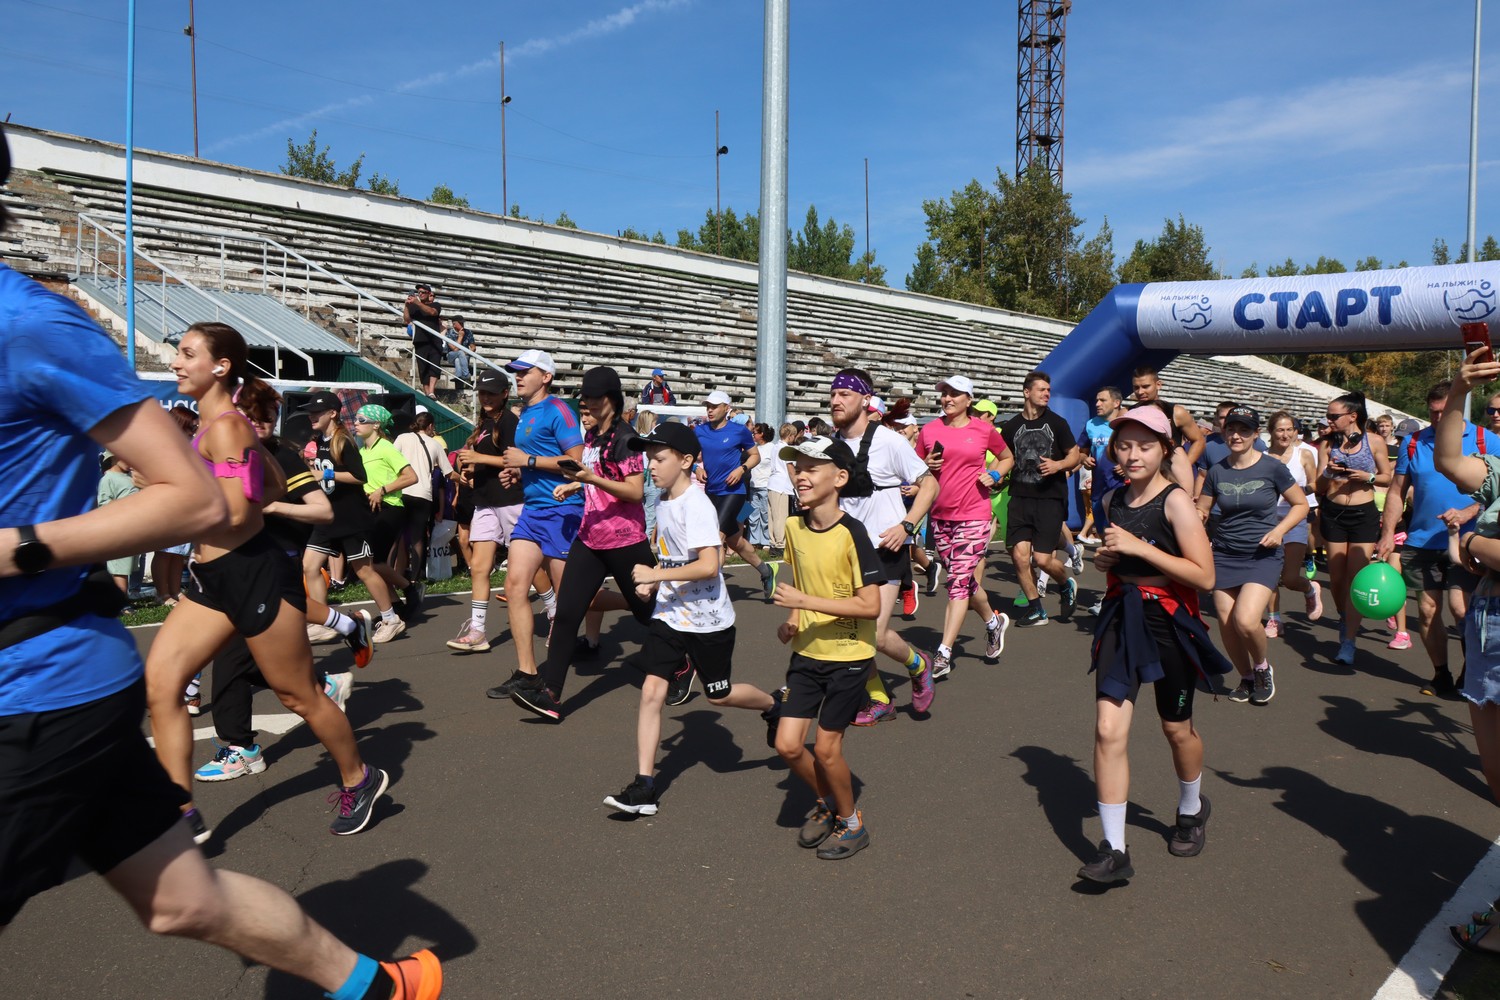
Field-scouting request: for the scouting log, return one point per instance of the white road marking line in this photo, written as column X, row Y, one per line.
column 1421, row 972
column 278, row 724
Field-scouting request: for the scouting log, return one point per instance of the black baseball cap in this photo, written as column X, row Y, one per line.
column 679, row 437
column 600, row 382
column 492, row 380
column 824, row 449
column 1245, row 416
column 319, row 402
column 423, row 286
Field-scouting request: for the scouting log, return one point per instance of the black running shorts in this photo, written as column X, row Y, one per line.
column 830, row 691
column 710, row 653
column 1350, row 523
column 352, row 546
column 78, row 782
column 248, row 584
column 728, row 506
column 1037, row 520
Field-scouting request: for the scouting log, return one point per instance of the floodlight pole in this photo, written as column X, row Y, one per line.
column 1474, row 140
column 770, row 353
column 504, row 176
column 718, row 224
column 192, row 33
column 867, row 216
column 130, row 186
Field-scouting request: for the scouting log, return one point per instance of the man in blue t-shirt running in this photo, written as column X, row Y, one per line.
column 1093, row 441
column 1437, row 507
column 729, row 453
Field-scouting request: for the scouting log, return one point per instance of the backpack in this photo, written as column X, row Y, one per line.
column 860, row 484
column 1411, row 444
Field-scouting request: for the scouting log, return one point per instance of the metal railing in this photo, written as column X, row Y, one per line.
column 279, row 275
column 90, row 259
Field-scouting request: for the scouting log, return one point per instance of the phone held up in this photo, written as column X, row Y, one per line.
column 1476, row 335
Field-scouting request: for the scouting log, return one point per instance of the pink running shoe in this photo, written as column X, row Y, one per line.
column 1401, row 640
column 1390, row 623
column 1314, row 599
column 875, row 713
column 1273, row 628
column 922, row 688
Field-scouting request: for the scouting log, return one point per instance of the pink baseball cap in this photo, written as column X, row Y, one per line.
column 1147, row 415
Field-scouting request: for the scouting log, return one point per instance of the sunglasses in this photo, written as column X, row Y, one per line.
column 1492, row 410
column 1335, row 416
column 361, row 420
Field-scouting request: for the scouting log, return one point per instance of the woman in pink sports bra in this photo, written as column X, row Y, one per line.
column 242, row 581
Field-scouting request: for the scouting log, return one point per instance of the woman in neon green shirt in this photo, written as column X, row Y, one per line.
column 387, row 473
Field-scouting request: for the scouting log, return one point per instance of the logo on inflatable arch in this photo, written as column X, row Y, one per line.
column 1472, row 305
column 1194, row 314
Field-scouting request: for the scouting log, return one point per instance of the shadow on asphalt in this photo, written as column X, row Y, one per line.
column 375, row 912
column 1414, row 730
column 1409, row 863
column 704, row 739
column 1065, row 791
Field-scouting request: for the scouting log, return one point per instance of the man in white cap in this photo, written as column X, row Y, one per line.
column 729, row 454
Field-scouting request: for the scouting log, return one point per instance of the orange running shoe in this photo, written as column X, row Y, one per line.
column 419, row 977
column 360, row 643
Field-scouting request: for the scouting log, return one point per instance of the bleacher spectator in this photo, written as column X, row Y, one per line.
column 658, row 390
column 1491, row 414
column 462, row 371
column 424, row 317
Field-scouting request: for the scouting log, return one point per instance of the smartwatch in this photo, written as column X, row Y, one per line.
column 908, row 527
column 32, row 556
column 531, row 461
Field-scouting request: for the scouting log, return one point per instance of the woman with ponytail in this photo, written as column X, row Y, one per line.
column 243, row 582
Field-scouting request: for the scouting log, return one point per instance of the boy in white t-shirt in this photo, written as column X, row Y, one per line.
column 693, row 617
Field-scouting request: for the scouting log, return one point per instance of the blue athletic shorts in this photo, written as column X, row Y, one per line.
column 551, row 528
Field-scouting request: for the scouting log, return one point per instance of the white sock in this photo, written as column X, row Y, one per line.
column 945, row 650
column 994, row 621
column 340, row 622
column 1189, row 803
column 853, row 822
column 549, row 601
column 193, row 686
column 1113, row 818
column 389, row 614
column 477, row 612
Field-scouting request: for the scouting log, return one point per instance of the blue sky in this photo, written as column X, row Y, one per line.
column 1283, row 128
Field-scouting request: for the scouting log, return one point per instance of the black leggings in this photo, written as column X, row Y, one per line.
column 583, row 575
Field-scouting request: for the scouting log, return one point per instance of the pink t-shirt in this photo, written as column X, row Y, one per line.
column 609, row 522
column 960, row 496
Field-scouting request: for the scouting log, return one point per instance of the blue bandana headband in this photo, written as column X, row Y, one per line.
column 854, row 382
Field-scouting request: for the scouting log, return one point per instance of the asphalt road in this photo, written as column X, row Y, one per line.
column 1345, row 814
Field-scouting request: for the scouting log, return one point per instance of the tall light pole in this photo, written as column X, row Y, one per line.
column 192, row 32
column 770, row 324
column 718, row 213
column 1474, row 139
column 504, row 100
column 867, row 216
column 130, row 186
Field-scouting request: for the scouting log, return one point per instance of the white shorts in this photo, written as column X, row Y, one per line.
column 494, row 524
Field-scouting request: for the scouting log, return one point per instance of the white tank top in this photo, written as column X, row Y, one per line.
column 1299, row 476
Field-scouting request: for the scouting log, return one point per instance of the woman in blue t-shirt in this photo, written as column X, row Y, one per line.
column 1247, row 535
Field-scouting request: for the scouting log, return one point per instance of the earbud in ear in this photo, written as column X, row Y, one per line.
column 218, row 369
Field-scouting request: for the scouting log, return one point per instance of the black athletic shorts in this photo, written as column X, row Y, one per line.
column 728, row 506
column 1358, row 523
column 897, row 565
column 418, row 517
column 1174, row 692
column 78, row 782
column 390, row 528
column 354, row 545
column 248, row 584
column 830, row 691
column 710, row 653
column 1036, row 520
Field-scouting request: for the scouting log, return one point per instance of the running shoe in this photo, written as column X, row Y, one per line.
column 1095, row 609
column 772, row 717
column 681, row 687
column 994, row 636
column 1090, row 540
column 909, row 603
column 1314, row 600
column 1441, row 685
column 1241, row 693
column 922, row 688
column 388, row 630
column 1309, row 567
column 419, row 977
column 768, row 578
column 585, row 650
column 360, row 641
column 1035, row 615
column 1191, row 832
column 503, row 690
column 845, row 843
column 1401, row 640
column 942, row 665
column 1345, row 655
column 1043, row 581
column 1068, row 594
column 320, row 633
column 1392, row 624
column 1262, row 685
column 337, row 686
column 817, row 825
column 538, row 699
column 635, row 798
column 231, row 761
column 1075, row 561
column 1109, row 867
column 1273, row 627
column 194, row 703
column 875, row 713
column 356, row 805
column 470, row 639
column 934, row 575
column 198, row 826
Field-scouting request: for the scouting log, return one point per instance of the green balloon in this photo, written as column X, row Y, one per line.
column 1378, row 591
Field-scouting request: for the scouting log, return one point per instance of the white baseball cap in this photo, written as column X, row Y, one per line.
column 958, row 383
column 533, row 359
column 717, row 398
column 421, row 408
column 877, row 404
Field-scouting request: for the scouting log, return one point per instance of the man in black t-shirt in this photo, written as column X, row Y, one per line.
column 1045, row 452
column 422, row 310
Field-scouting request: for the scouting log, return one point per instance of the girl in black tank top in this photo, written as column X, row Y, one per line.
column 1157, row 558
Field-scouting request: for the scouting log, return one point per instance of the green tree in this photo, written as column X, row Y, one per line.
column 866, row 271
column 1489, row 249
column 442, row 194
column 385, row 185
column 821, row 249
column 1325, row 265
column 631, row 233
column 727, row 234
column 924, row 273
column 1440, row 253
column 314, row 164
column 564, row 221
column 1178, row 254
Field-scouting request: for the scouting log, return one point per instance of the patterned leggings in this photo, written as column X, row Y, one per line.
column 961, row 546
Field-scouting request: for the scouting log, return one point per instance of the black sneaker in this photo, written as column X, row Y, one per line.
column 1034, row 615
column 356, row 805
column 1262, row 685
column 585, row 650
column 1243, row 691
column 636, row 799
column 413, row 593
column 818, row 826
column 198, row 826
column 1109, row 867
column 843, row 843
column 1191, row 832
column 517, row 679
column 934, row 574
column 680, row 688
column 1068, row 592
column 539, row 700
column 768, row 572
column 772, row 717
column 1441, row 685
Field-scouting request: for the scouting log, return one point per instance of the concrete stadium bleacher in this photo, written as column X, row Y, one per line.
column 585, row 298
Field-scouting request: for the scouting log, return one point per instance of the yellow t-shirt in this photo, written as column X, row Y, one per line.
column 833, row 563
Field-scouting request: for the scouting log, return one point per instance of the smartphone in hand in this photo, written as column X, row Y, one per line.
column 1476, row 335
column 568, row 465
column 937, row 450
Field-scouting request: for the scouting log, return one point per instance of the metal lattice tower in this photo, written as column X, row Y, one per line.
column 1039, row 86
